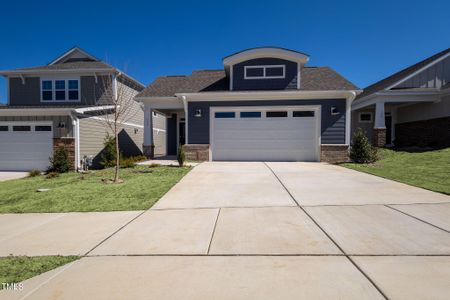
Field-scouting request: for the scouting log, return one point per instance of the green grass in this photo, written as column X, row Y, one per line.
column 142, row 187
column 429, row 170
column 15, row 269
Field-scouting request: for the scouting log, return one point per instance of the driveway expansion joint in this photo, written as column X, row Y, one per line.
column 213, row 231
column 334, row 242
column 418, row 219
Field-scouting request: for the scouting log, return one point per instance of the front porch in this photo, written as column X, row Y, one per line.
column 381, row 116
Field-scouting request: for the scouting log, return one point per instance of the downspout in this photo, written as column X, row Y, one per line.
column 76, row 133
column 348, row 116
column 186, row 118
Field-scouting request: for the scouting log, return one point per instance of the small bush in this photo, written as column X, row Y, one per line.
column 153, row 165
column 34, row 173
column 361, row 150
column 60, row 161
column 127, row 163
column 181, row 157
column 108, row 156
column 51, row 175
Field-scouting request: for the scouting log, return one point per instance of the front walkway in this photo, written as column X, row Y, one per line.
column 267, row 231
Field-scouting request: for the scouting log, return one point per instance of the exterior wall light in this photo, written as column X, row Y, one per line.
column 334, row 111
column 198, row 113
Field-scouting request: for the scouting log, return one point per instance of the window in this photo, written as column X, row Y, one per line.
column 276, row 114
column 365, row 117
column 303, row 114
column 3, row 128
column 265, row 72
column 21, row 128
column 43, row 128
column 47, row 90
column 250, row 114
column 60, row 90
column 224, row 115
column 73, row 90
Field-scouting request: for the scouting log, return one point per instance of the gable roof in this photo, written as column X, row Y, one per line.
column 312, row 79
column 72, row 52
column 394, row 78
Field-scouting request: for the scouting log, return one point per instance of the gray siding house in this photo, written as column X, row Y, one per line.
column 65, row 103
column 264, row 105
column 408, row 108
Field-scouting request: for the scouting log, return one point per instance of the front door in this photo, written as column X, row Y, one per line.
column 182, row 133
column 388, row 122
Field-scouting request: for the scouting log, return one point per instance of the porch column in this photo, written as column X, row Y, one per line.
column 379, row 130
column 148, row 146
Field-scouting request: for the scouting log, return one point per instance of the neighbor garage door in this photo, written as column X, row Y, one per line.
column 265, row 133
column 25, row 146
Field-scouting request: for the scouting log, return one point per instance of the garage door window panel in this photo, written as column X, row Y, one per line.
column 250, row 114
column 42, row 128
column 4, row 128
column 22, row 128
column 303, row 114
column 276, row 114
column 225, row 115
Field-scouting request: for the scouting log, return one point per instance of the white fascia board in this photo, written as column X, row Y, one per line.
column 36, row 111
column 161, row 102
column 418, row 71
column 93, row 108
column 18, row 73
column 70, row 52
column 270, row 95
column 397, row 96
column 266, row 52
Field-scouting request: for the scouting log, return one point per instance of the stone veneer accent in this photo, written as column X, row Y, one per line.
column 379, row 137
column 197, row 152
column 69, row 145
column 334, row 153
column 433, row 132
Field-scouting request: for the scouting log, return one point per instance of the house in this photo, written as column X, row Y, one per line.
column 65, row 103
column 264, row 105
column 408, row 108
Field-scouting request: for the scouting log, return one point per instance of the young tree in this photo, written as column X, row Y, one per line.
column 117, row 99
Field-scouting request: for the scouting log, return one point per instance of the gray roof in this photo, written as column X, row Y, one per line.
column 312, row 79
column 71, row 66
column 388, row 81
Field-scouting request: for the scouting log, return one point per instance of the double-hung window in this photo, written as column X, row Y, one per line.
column 60, row 90
column 265, row 72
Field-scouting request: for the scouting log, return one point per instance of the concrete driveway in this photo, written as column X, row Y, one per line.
column 266, row 231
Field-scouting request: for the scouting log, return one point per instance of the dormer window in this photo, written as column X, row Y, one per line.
column 60, row 90
column 265, row 72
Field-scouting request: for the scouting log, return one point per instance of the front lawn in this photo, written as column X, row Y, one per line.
column 142, row 187
column 15, row 269
column 429, row 170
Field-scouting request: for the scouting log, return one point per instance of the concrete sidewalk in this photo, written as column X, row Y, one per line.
column 260, row 231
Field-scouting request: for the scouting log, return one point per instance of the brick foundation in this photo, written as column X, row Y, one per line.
column 196, row 152
column 69, row 145
column 148, row 151
column 427, row 133
column 379, row 137
column 334, row 153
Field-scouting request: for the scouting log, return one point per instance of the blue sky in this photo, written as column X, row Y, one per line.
column 363, row 40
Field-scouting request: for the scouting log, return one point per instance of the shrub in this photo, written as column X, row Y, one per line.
column 34, row 173
column 51, row 175
column 181, row 157
column 361, row 150
column 127, row 162
column 60, row 161
column 108, row 156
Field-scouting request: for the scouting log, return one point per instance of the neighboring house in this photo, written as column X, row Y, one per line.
column 265, row 105
column 63, row 104
column 409, row 108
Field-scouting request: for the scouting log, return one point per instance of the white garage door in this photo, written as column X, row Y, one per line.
column 25, row 146
column 265, row 133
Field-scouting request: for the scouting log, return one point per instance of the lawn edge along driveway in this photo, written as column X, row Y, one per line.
column 428, row 170
column 143, row 186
